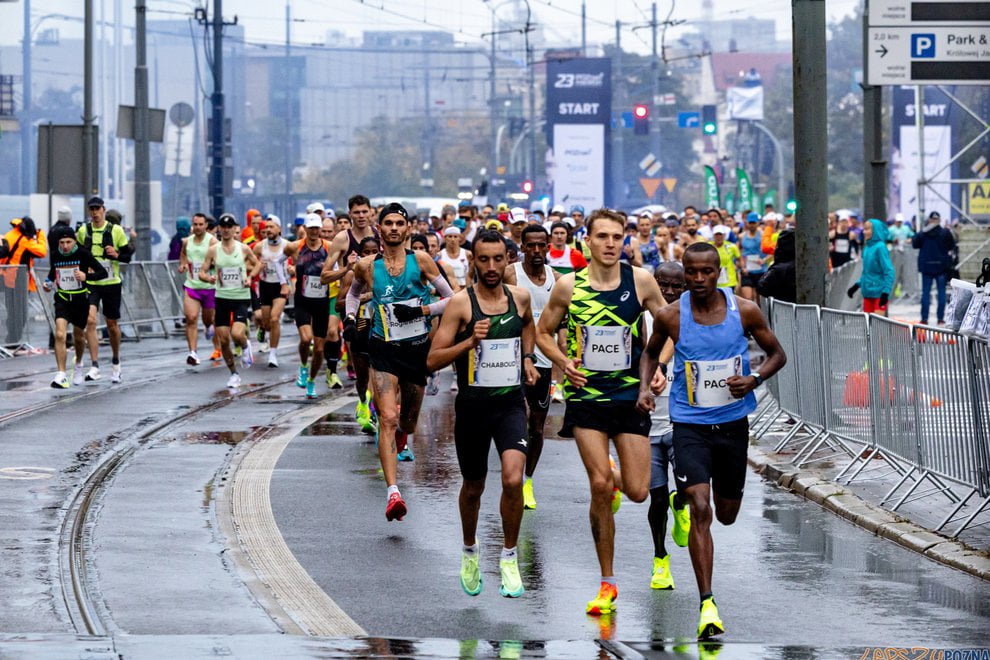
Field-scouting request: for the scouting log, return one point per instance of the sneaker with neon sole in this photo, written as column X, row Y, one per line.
column 661, row 577
column 512, row 586
column 682, row 523
column 529, row 499
column 471, row 580
column 396, row 507
column 604, row 602
column 303, row 376
column 709, row 623
column 310, row 389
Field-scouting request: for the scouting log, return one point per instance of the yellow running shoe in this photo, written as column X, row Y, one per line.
column 512, row 586
column 471, row 581
column 709, row 624
column 604, row 602
column 682, row 523
column 661, row 578
column 529, row 500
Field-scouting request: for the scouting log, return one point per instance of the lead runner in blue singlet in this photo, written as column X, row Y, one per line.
column 710, row 399
column 399, row 342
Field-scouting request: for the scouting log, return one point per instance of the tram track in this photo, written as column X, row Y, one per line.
column 80, row 602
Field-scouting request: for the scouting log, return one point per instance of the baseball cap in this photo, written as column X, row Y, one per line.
column 94, row 201
column 753, row 216
column 532, row 217
column 898, row 217
column 721, row 229
column 452, row 231
column 569, row 221
column 313, row 220
column 518, row 214
column 391, row 208
column 449, row 208
column 271, row 217
column 934, row 215
column 493, row 224
column 463, row 204
column 299, row 220
column 460, row 224
column 557, row 208
column 227, row 220
column 315, row 207
column 329, row 212
column 577, row 208
column 502, row 207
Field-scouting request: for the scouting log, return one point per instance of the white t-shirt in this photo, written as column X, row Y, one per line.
column 539, row 297
column 660, row 417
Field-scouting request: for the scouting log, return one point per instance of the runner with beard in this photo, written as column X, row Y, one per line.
column 370, row 247
column 274, row 285
column 488, row 330
column 399, row 341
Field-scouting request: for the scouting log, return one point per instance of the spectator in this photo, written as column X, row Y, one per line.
column 115, row 217
column 183, row 226
column 780, row 280
column 877, row 280
column 900, row 238
column 63, row 217
column 19, row 247
column 935, row 245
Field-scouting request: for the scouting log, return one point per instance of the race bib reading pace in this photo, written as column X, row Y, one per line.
column 313, row 287
column 395, row 330
column 495, row 363
column 706, row 381
column 605, row 347
column 231, row 277
column 67, row 279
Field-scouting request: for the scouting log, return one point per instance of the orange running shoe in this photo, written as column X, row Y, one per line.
column 604, row 602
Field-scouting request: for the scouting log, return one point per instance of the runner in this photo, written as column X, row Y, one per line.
column 603, row 304
column 711, row 396
column 274, row 285
column 561, row 257
column 754, row 261
column 488, row 330
column 433, row 245
column 199, row 298
column 455, row 256
column 71, row 266
column 235, row 266
column 399, row 340
column 534, row 275
column 729, row 258
column 670, row 277
column 358, row 345
column 311, row 301
column 332, row 343
column 106, row 242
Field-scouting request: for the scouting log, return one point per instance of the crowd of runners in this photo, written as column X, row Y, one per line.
column 640, row 324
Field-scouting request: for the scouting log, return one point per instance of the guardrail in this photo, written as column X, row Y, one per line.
column 864, row 391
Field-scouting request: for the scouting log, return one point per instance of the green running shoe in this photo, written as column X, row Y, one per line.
column 512, row 586
column 303, row 376
column 709, row 624
column 661, row 578
column 682, row 523
column 471, row 581
column 529, row 499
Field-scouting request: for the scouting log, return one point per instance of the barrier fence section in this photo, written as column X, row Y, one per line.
column 25, row 320
column 886, row 397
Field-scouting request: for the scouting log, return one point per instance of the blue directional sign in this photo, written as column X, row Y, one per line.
column 688, row 119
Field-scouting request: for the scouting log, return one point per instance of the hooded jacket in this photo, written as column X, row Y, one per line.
column 780, row 281
column 878, row 271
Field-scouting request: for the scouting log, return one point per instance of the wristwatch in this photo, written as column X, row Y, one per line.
column 759, row 379
column 531, row 356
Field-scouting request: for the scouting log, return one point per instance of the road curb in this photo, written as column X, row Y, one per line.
column 876, row 520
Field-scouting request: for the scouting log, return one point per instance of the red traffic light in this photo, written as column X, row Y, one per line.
column 527, row 186
column 641, row 111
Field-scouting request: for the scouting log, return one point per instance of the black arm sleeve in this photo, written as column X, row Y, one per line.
column 89, row 265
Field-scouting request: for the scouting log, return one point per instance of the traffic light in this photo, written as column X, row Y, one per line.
column 709, row 123
column 527, row 186
column 791, row 205
column 641, row 119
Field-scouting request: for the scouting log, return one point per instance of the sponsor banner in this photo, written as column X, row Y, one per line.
column 745, row 103
column 713, row 200
column 579, row 172
column 905, row 166
column 749, row 199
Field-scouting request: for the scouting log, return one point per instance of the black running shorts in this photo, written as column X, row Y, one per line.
column 106, row 298
column 538, row 394
column 230, row 312
column 612, row 418
column 268, row 292
column 74, row 308
column 713, row 453
column 313, row 312
column 404, row 359
column 479, row 421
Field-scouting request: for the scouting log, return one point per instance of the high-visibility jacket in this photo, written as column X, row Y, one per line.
column 23, row 252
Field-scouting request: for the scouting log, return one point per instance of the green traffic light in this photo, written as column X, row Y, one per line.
column 709, row 128
column 791, row 205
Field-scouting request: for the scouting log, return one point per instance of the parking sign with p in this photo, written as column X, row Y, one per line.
column 922, row 46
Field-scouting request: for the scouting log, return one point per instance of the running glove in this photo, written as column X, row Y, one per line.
column 852, row 290
column 883, row 299
column 405, row 313
column 350, row 329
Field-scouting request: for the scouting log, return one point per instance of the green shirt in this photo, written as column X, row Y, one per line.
column 196, row 254
column 232, row 282
column 118, row 238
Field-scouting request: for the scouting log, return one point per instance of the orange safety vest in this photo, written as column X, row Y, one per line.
column 24, row 250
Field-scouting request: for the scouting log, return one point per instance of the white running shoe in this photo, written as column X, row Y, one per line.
column 263, row 347
column 93, row 373
column 192, row 359
column 234, row 380
column 77, row 374
column 115, row 373
column 61, row 382
column 247, row 358
column 273, row 360
column 453, row 384
column 210, row 331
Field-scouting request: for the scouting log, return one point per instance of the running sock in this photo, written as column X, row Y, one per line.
column 657, row 517
column 508, row 553
column 705, row 596
column 391, row 489
column 609, row 580
column 115, row 360
column 96, row 363
column 470, row 549
column 331, row 350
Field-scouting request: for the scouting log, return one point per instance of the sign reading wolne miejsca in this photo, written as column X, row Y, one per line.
column 579, row 114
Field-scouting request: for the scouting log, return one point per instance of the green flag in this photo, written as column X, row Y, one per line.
column 746, row 192
column 770, row 197
column 713, row 199
column 730, row 202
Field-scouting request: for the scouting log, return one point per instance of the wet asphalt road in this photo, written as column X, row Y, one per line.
column 787, row 572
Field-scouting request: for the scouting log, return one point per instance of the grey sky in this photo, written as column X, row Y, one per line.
column 264, row 20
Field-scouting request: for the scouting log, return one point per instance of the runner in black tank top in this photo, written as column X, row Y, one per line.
column 488, row 330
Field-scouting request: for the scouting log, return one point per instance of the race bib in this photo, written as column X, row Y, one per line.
column 108, row 265
column 706, row 381
column 270, row 273
column 495, row 363
column 842, row 245
column 605, row 347
column 313, row 287
column 66, row 278
column 753, row 262
column 723, row 277
column 364, row 311
column 232, row 277
column 395, row 330
column 194, row 268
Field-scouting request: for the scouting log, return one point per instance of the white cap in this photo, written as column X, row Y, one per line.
column 518, row 214
column 898, row 217
column 721, row 229
column 314, row 207
column 569, row 221
column 452, row 231
column 313, row 220
column 330, row 213
column 558, row 208
column 64, row 213
column 271, row 217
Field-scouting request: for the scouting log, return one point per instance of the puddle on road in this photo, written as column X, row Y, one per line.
column 15, row 385
column 213, row 437
column 321, row 428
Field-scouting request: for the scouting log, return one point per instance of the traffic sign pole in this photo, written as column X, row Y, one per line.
column 874, row 165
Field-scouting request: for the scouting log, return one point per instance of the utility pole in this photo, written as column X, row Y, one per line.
column 142, row 151
column 531, row 161
column 655, row 68
column 584, row 29
column 874, row 165
column 287, row 80
column 89, row 145
column 426, row 176
column 618, row 155
column 27, row 121
column 492, row 173
column 810, row 148
column 217, row 132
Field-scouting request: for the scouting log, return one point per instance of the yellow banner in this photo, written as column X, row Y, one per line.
column 979, row 198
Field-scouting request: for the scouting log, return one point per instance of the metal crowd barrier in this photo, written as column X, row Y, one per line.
column 25, row 320
column 878, row 392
